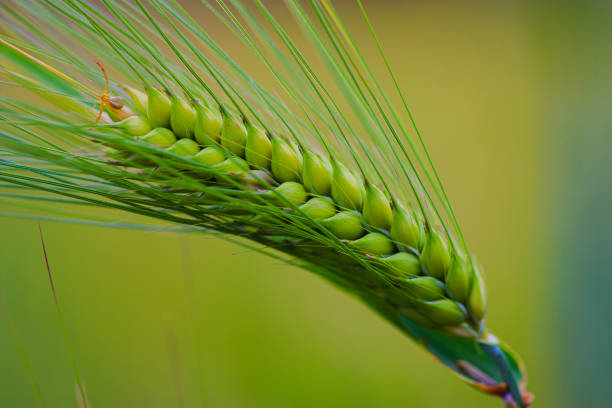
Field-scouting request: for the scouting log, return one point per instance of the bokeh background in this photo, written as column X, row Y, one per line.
column 514, row 100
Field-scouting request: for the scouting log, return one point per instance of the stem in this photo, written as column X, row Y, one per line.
column 499, row 357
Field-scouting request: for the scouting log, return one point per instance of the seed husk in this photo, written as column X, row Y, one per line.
column 136, row 125
column 232, row 165
column 405, row 229
column 374, row 243
column 376, row 208
column 158, row 108
column 458, row 279
column 319, row 208
column 403, row 264
column 286, row 162
column 208, row 125
column 477, row 301
column 346, row 189
column 258, row 149
column 435, row 256
column 345, row 225
column 139, row 100
column 293, row 192
column 184, row 147
column 444, row 312
column 316, row 174
column 424, row 287
column 210, row 156
column 233, row 134
column 160, row 137
column 182, row 118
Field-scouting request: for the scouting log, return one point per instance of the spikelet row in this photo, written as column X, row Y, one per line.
column 436, row 287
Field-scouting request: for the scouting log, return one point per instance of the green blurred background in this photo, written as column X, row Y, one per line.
column 514, row 101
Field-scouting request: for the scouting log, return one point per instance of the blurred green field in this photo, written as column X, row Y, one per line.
column 501, row 92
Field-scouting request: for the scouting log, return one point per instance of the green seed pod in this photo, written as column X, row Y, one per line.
column 316, row 174
column 160, row 137
column 376, row 208
column 375, row 243
column 424, row 287
column 346, row 189
column 182, row 118
column 257, row 179
column 158, row 108
column 233, row 134
column 293, row 192
column 139, row 100
column 184, row 147
column 444, row 312
column 405, row 229
column 258, row 149
column 232, row 165
column 435, row 257
column 285, row 161
column 318, row 208
column 458, row 279
column 417, row 317
column 208, row 126
column 477, row 302
column 210, row 156
column 403, row 264
column 135, row 125
column 344, row 225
